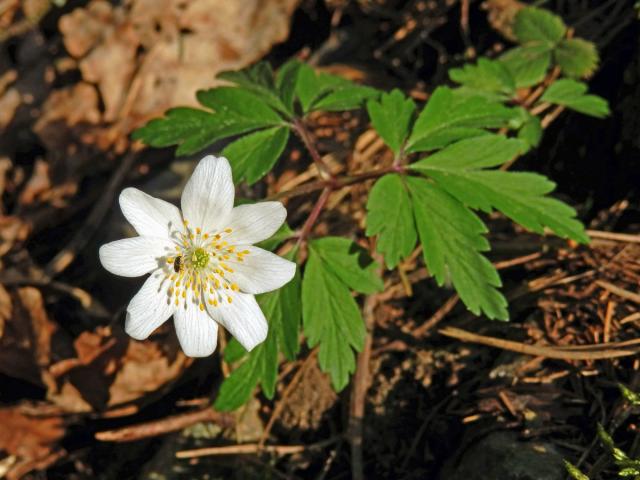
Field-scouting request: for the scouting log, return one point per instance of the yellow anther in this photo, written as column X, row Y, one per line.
column 198, row 230
column 184, row 294
column 206, row 235
column 176, row 300
column 202, row 307
column 228, row 230
column 231, row 249
column 234, row 287
column 186, row 222
column 170, row 260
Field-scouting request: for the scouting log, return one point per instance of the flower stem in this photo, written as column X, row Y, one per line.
column 313, row 216
column 303, row 132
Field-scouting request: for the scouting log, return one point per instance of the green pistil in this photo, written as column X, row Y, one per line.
column 200, row 258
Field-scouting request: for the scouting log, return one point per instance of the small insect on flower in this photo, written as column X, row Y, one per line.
column 204, row 269
column 177, row 264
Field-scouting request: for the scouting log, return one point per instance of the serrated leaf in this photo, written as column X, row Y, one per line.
column 535, row 25
column 487, row 76
column 460, row 170
column 452, row 238
column 347, row 97
column 573, row 471
column 528, row 65
column 449, row 116
column 392, row 117
column 531, row 131
column 286, row 79
column 237, row 388
column 239, row 103
column 258, row 78
column 572, row 94
column 283, row 309
column 332, row 320
column 389, row 216
column 254, row 155
column 323, row 91
column 349, row 262
column 576, row 57
column 191, row 129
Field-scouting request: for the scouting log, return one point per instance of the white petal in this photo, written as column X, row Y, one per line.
column 243, row 318
column 207, row 198
column 132, row 257
column 149, row 308
column 254, row 223
column 260, row 271
column 148, row 215
column 197, row 331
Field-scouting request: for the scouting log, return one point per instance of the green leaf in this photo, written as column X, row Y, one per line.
column 332, row 319
column 283, row 309
column 347, row 97
column 323, row 91
column 528, row 65
column 237, row 388
column 349, row 262
column 572, row 94
column 535, row 25
column 459, row 169
column 450, row 116
column 240, row 104
column 254, row 155
column 258, row 78
column 487, row 76
column 573, row 471
column 191, row 129
column 531, row 131
column 286, row 79
column 576, row 57
column 392, row 117
column 234, row 351
column 390, row 217
column 452, row 237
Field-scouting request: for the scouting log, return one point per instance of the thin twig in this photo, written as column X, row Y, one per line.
column 600, row 351
column 250, row 448
column 359, row 391
column 165, row 425
column 616, row 237
column 620, row 292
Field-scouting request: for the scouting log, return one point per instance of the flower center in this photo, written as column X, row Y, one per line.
column 200, row 258
column 197, row 271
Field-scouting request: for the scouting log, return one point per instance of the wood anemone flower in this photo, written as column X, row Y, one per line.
column 204, row 268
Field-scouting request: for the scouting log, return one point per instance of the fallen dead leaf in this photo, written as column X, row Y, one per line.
column 147, row 56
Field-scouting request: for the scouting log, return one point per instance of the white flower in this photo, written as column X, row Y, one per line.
column 204, row 269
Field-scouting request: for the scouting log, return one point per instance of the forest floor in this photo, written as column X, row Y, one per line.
column 441, row 395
